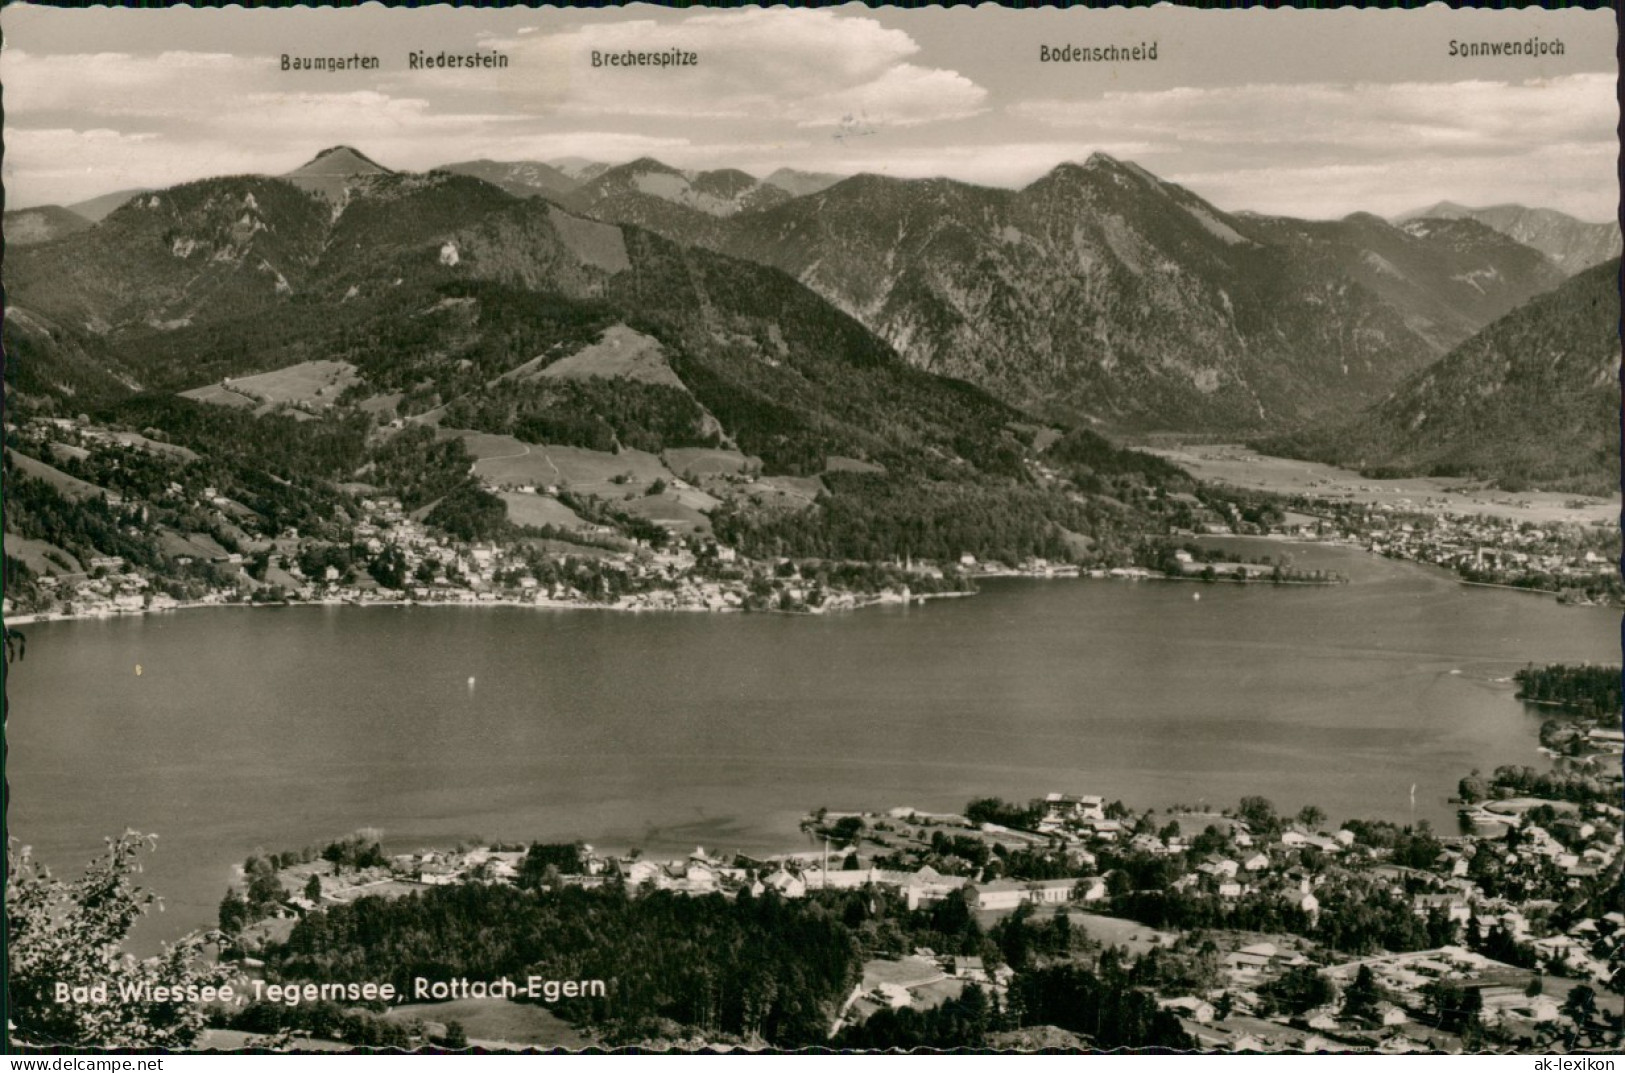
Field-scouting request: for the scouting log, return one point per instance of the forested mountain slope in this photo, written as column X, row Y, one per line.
column 1532, row 400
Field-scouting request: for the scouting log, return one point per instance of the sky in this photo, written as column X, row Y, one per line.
column 1306, row 113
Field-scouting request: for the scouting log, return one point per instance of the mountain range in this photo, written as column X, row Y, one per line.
column 1100, row 293
column 436, row 285
column 348, row 330
column 1573, row 245
column 1104, row 292
column 521, row 178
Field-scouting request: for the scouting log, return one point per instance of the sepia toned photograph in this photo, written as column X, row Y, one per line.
column 853, row 529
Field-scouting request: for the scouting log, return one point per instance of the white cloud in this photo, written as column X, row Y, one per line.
column 1323, row 149
column 810, row 67
column 816, row 89
column 60, row 165
column 1338, row 121
column 1559, row 177
column 761, row 73
column 118, row 84
column 905, row 95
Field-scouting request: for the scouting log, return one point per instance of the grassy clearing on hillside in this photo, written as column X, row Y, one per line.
column 558, row 548
column 709, row 461
column 598, row 244
column 782, row 494
column 619, row 352
column 786, row 493
column 695, row 499
column 69, row 486
column 33, row 554
column 837, row 464
column 910, row 971
column 64, row 452
column 196, row 545
column 157, row 447
column 231, row 1039
column 309, row 383
column 1114, row 931
column 216, row 395
column 385, row 406
column 483, row 445
column 666, row 510
column 589, row 472
column 538, row 510
column 497, row 1020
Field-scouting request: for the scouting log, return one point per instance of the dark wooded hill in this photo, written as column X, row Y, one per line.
column 28, row 227
column 1532, row 400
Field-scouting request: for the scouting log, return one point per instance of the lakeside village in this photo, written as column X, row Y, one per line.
column 388, row 555
column 1241, row 930
column 1578, row 563
column 214, row 550
column 396, row 559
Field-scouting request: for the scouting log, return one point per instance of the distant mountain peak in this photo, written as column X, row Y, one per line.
column 577, row 167
column 1066, row 171
column 636, row 188
column 645, row 164
column 730, row 173
column 521, row 178
column 800, row 183
column 1573, row 244
column 341, row 160
column 1097, row 164
column 1443, row 208
column 1100, row 167
column 329, row 172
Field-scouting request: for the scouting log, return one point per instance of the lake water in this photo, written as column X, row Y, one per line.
column 277, row 728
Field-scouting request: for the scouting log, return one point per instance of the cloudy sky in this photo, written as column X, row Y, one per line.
column 1307, row 113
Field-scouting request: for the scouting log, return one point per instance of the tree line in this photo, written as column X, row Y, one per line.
column 1584, row 690
column 762, row 968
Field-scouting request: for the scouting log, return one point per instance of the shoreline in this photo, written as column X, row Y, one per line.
column 1200, row 580
column 1520, row 588
column 883, row 599
column 548, row 604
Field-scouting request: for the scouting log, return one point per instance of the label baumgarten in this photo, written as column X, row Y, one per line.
column 355, row 62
